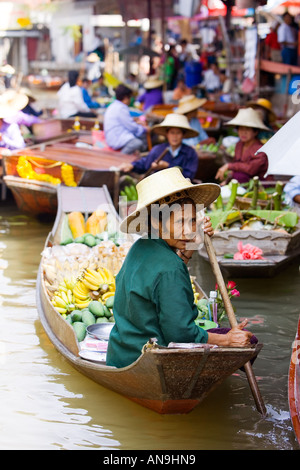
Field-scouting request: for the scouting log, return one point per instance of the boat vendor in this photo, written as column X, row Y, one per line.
column 265, row 110
column 174, row 127
column 70, row 99
column 11, row 103
column 121, row 131
column 154, row 296
column 153, row 94
column 189, row 106
column 246, row 163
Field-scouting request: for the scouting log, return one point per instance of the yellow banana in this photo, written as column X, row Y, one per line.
column 107, row 294
column 89, row 285
column 61, row 310
column 82, row 305
column 70, row 296
column 63, row 295
column 58, row 301
column 92, row 280
column 107, row 274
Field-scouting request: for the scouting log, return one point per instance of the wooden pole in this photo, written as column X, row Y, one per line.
column 233, row 322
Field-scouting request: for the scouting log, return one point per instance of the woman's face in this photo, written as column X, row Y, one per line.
column 175, row 136
column 180, row 226
column 246, row 134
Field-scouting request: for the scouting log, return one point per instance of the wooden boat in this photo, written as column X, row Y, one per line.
column 172, row 379
column 279, row 250
column 294, row 384
column 91, row 167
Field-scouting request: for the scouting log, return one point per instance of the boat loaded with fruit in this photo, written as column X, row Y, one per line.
column 75, row 297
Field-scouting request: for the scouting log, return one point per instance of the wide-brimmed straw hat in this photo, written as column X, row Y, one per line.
column 265, row 104
column 248, row 117
column 190, row 103
column 26, row 91
column 153, row 82
column 175, row 120
column 11, row 102
column 165, row 186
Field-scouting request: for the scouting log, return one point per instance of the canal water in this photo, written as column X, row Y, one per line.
column 46, row 404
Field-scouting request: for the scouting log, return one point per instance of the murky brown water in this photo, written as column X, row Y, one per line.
column 46, row 404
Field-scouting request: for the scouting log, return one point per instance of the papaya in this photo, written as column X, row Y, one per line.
column 97, row 222
column 76, row 223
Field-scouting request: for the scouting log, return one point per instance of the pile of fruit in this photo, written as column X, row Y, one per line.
column 129, row 192
column 85, row 300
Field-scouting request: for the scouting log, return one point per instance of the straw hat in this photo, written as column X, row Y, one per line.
column 190, row 103
column 26, row 91
column 175, row 120
column 248, row 117
column 153, row 82
column 265, row 104
column 11, row 102
column 163, row 184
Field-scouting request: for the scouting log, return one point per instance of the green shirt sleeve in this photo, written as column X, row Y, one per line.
column 174, row 299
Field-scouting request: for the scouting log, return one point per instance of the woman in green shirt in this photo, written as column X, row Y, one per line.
column 154, row 296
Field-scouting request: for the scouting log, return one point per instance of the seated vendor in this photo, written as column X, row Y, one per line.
column 121, row 131
column 174, row 127
column 246, row 163
column 154, row 296
column 189, row 106
column 292, row 191
column 11, row 104
column 153, row 94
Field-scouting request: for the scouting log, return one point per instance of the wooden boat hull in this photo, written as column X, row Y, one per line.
column 33, row 197
column 294, row 384
column 91, row 167
column 166, row 380
column 266, row 268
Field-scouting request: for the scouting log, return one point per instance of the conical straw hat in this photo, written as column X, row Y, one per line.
column 190, row 103
column 153, row 82
column 161, row 185
column 175, row 120
column 248, row 117
column 11, row 102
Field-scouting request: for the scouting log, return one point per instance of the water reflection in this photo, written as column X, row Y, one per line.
column 47, row 404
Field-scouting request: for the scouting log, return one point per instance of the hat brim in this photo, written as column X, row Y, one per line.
column 238, row 123
column 163, row 129
column 202, row 194
column 154, row 84
column 11, row 107
column 189, row 107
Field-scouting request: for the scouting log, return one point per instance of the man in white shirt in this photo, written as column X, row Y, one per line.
column 287, row 38
column 70, row 99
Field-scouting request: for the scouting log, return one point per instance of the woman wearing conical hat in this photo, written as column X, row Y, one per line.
column 189, row 106
column 11, row 103
column 153, row 93
column 175, row 127
column 154, row 296
column 246, row 163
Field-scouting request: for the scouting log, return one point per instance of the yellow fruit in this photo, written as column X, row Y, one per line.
column 77, row 223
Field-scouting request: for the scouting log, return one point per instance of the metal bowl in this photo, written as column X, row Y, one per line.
column 100, row 330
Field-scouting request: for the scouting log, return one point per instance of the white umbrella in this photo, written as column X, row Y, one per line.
column 283, row 149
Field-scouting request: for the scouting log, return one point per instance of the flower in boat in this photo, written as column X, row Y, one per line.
column 248, row 251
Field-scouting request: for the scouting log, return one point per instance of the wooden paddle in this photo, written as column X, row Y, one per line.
column 155, row 161
column 233, row 321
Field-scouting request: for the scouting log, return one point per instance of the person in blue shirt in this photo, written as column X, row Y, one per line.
column 121, row 131
column 85, row 83
column 174, row 127
column 188, row 106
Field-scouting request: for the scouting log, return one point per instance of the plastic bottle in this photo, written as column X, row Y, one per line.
column 96, row 126
column 76, row 125
column 213, row 306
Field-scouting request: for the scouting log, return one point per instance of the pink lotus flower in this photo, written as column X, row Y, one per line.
column 248, row 251
column 234, row 293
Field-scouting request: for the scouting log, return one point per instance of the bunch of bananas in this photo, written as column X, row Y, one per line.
column 196, row 294
column 95, row 284
column 63, row 302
